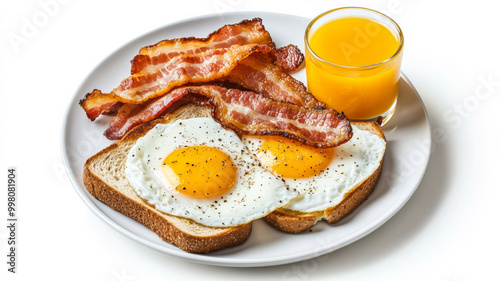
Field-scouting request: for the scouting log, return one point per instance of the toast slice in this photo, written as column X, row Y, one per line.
column 104, row 177
column 295, row 222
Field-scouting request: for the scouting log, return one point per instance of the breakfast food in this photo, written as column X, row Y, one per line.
column 331, row 182
column 242, row 33
column 252, row 113
column 155, row 81
column 215, row 133
column 196, row 169
column 256, row 65
column 105, row 178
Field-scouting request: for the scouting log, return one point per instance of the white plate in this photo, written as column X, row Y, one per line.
column 408, row 149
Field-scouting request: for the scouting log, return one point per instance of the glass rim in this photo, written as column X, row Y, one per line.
column 398, row 29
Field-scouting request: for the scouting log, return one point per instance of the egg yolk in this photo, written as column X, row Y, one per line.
column 292, row 159
column 200, row 171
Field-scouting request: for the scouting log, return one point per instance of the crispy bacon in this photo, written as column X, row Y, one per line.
column 249, row 113
column 99, row 104
column 289, row 57
column 242, row 33
column 255, row 72
column 245, row 32
column 198, row 68
column 277, row 104
column 259, row 74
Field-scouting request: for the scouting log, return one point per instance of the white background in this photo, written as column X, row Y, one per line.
column 448, row 231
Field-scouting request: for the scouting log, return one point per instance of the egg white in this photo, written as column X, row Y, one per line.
column 256, row 193
column 353, row 162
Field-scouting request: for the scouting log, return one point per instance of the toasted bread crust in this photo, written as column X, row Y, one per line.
column 158, row 222
column 353, row 199
column 292, row 222
column 296, row 222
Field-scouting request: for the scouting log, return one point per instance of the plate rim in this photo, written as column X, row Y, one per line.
column 207, row 259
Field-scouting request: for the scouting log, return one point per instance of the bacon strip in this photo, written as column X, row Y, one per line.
column 251, row 113
column 289, row 57
column 97, row 103
column 245, row 32
column 259, row 74
column 131, row 115
column 140, row 87
column 152, row 57
column 159, row 68
column 256, row 72
column 242, row 33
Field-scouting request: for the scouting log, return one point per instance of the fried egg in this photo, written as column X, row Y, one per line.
column 196, row 169
column 321, row 176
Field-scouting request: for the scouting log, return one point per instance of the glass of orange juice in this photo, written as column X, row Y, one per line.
column 353, row 61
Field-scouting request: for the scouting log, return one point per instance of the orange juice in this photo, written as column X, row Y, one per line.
column 353, row 65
